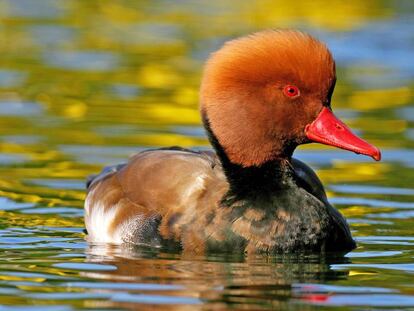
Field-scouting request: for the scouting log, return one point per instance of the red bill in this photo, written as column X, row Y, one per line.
column 327, row 129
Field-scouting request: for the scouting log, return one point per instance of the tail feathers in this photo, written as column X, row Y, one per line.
column 108, row 170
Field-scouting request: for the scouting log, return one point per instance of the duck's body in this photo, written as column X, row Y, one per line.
column 250, row 195
column 193, row 207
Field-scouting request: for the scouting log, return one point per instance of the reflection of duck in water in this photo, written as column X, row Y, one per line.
column 150, row 277
column 261, row 97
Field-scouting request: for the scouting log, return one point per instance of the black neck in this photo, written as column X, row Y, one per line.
column 268, row 177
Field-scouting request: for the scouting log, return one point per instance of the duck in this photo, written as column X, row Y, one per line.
column 261, row 96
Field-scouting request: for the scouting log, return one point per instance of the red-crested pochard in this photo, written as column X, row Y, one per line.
column 261, row 96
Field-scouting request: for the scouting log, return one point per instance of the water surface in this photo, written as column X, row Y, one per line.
column 84, row 84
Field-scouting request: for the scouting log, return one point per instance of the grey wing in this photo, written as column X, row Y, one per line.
column 109, row 170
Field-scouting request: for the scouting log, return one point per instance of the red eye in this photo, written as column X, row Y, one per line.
column 291, row 91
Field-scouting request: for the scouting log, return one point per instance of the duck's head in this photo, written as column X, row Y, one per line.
column 264, row 94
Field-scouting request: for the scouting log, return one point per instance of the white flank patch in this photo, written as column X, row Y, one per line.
column 98, row 221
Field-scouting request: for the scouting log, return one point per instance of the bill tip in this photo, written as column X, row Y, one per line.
column 377, row 155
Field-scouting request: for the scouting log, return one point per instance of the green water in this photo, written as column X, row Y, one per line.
column 84, row 84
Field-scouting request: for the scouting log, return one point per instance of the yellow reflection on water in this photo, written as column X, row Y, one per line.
column 84, row 84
